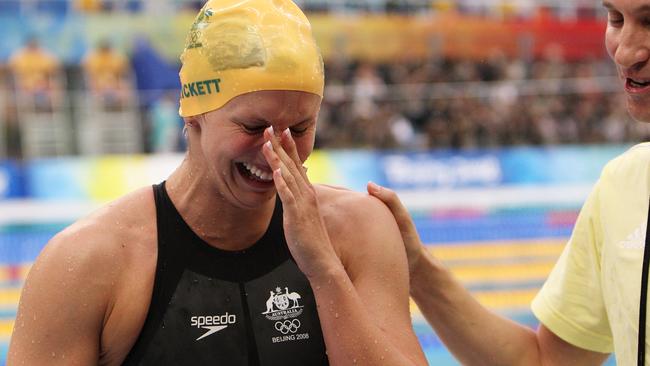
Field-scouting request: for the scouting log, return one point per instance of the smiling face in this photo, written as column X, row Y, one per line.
column 228, row 141
column 628, row 42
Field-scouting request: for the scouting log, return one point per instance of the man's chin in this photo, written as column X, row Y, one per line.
column 638, row 110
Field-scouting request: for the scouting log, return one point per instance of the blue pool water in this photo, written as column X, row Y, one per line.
column 20, row 244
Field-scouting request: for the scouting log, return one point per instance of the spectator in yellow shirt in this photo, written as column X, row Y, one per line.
column 107, row 74
column 37, row 77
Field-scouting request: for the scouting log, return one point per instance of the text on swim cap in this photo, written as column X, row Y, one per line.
column 197, row 88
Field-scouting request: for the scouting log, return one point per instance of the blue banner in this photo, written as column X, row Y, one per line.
column 442, row 169
column 105, row 178
column 498, row 167
column 11, row 180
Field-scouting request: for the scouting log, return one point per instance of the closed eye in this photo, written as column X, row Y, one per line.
column 298, row 131
column 302, row 127
column 253, row 130
column 646, row 22
column 615, row 19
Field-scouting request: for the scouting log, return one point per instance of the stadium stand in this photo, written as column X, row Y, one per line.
column 40, row 101
column 108, row 120
column 437, row 92
column 4, row 125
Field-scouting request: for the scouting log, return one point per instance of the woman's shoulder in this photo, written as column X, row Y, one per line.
column 362, row 230
column 337, row 197
column 111, row 231
column 350, row 210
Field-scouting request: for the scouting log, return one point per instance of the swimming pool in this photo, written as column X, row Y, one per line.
column 502, row 257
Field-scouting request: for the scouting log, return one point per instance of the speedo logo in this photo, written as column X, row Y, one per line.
column 212, row 323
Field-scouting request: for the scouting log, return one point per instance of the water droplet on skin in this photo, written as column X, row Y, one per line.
column 317, row 288
column 354, row 360
column 70, row 269
column 336, row 315
column 53, row 354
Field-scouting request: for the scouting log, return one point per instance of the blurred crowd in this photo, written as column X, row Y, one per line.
column 117, row 102
column 429, row 104
column 446, row 103
column 426, row 104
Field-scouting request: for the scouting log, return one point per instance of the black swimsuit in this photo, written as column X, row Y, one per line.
column 215, row 307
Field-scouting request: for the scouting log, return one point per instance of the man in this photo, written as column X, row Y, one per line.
column 589, row 306
column 210, row 267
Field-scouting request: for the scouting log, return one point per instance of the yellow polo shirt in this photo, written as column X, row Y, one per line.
column 105, row 70
column 591, row 298
column 33, row 68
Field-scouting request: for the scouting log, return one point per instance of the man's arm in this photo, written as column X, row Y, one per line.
column 475, row 335
column 62, row 305
column 472, row 333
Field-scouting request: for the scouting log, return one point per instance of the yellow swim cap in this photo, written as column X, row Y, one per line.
column 241, row 46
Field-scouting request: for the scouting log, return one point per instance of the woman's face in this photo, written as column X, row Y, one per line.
column 230, row 141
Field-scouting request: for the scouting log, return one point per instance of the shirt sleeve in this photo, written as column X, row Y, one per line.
column 570, row 303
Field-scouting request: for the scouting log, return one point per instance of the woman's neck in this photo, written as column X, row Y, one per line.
column 215, row 220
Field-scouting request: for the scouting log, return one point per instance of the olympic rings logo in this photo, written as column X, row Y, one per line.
column 287, row 326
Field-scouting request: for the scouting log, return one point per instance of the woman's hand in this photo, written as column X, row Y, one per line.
column 304, row 227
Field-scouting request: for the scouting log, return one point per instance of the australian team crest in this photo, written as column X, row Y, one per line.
column 283, row 304
column 201, row 21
